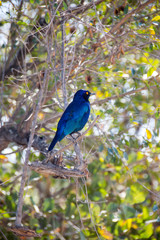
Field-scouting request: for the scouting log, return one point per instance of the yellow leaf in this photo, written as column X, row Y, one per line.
column 99, row 94
column 156, row 158
column 40, row 115
column 157, row 18
column 149, row 134
column 3, row 158
column 127, row 168
column 158, row 229
column 139, row 215
column 106, row 30
column 106, row 94
column 101, row 159
column 0, row 3
column 134, row 226
column 152, row 31
column 129, row 223
column 140, row 155
column 135, row 123
column 105, row 234
column 153, row 8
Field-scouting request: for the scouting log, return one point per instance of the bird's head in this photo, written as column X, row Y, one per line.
column 82, row 94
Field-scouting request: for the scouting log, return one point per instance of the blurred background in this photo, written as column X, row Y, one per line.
column 111, row 48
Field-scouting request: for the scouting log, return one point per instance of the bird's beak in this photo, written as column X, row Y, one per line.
column 93, row 94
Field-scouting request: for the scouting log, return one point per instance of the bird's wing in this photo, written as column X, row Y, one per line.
column 74, row 118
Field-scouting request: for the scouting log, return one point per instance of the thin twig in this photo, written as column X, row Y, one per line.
column 71, row 143
column 63, row 66
column 122, row 95
column 130, row 14
column 3, row 235
column 24, row 175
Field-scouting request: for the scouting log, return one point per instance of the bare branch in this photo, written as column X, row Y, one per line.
column 54, row 170
column 71, row 143
column 130, row 14
column 63, row 66
column 122, row 95
column 24, row 175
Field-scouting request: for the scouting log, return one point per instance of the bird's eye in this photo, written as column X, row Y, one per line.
column 87, row 93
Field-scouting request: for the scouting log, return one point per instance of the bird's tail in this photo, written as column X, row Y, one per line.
column 53, row 143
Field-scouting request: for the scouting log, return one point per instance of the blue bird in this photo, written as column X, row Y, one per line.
column 74, row 117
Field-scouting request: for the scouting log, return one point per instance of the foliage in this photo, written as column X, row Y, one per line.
column 110, row 48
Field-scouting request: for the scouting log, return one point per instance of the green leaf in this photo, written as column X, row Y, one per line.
column 48, row 204
column 65, row 5
column 126, row 9
column 82, row 237
column 47, row 17
column 22, row 23
column 128, row 211
column 147, row 231
column 150, row 71
column 135, row 194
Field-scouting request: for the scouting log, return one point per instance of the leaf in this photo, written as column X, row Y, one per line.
column 147, row 231
column 40, row 115
column 105, row 234
column 135, row 123
column 140, row 155
column 149, row 134
column 22, row 23
column 125, row 155
column 126, row 9
column 157, row 18
column 155, row 208
column 65, row 5
column 150, row 72
column 135, row 194
column 99, row 94
column 129, row 212
column 133, row 71
column 82, row 236
column 47, row 18
column 152, row 31
column 48, row 204
column 3, row 158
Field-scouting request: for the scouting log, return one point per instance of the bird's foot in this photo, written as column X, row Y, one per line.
column 72, row 139
column 78, row 133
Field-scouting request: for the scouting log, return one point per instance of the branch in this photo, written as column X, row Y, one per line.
column 63, row 66
column 15, row 59
column 80, row 9
column 121, row 95
column 24, row 175
column 10, row 133
column 71, row 143
column 128, row 15
column 61, row 172
column 55, row 170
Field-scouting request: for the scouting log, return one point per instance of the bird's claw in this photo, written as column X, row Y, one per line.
column 78, row 133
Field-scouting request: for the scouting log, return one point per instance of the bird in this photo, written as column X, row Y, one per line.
column 74, row 117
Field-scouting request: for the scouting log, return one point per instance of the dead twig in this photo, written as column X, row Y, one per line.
column 71, row 143
column 55, row 170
